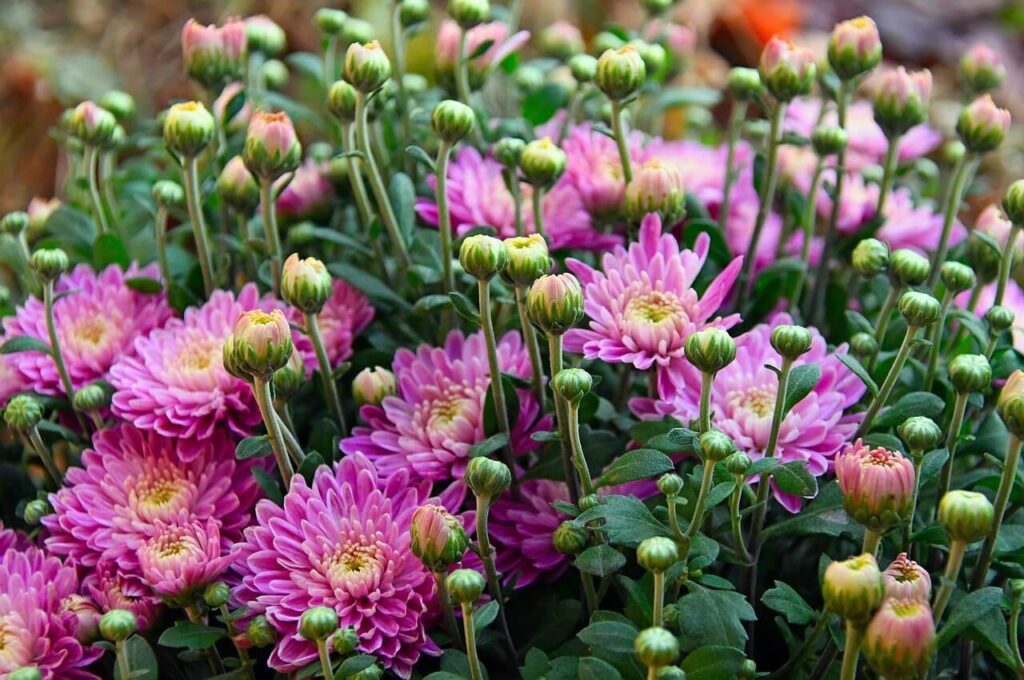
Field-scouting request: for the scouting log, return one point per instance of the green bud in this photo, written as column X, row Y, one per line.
column 318, row 623
column 23, row 412
column 237, row 186
column 744, row 83
column 555, row 303
column 606, row 40
column 791, row 341
column 854, row 48
column 919, row 309
column 117, row 625
column 710, row 350
column 583, row 68
column 863, row 344
column 305, row 284
column 25, row 673
column 572, row 384
column 91, row 397
column 828, row 140
column 188, row 128
column 1011, row 409
column 289, row 378
column 260, row 344
column 970, row 373
column 871, row 257
column 738, row 464
column 853, row 588
column 452, row 121
column 787, row 71
column 168, row 193
column 528, row 259
column 1017, row 587
column 14, row 223
column 656, row 647
column 966, row 516
column 341, row 100
column 482, row 256
column 569, row 538
column 999, row 319
column 345, row 641
column 748, row 669
column 920, row 433
column 465, row 585
column 330, row 21
column 275, row 74
column 670, row 484
column 367, row 67
column 356, row 30
column 657, row 554
column 542, row 162
column 469, row 13
column 508, row 151
column 957, row 277
column 654, row 55
column 216, row 595
column 909, row 268
column 589, row 502
column 260, row 632
column 272, row 147
column 716, row 446
column 620, row 72
column 1013, row 202
column 413, row 12
column 373, row 672
column 49, row 263
column 92, row 124
column 487, row 478
column 982, row 126
column 985, row 257
column 35, row 510
column 438, row 538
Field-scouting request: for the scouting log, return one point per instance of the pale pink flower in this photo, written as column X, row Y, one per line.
column 905, row 579
column 183, row 557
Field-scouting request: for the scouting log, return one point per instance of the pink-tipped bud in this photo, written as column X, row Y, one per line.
column 900, row 639
column 1010, row 404
column 188, row 128
column 92, row 124
column 373, row 385
column 39, row 211
column 901, row 100
column 437, row 538
column 87, row 617
column 982, row 125
column 237, row 187
column 656, row 188
column 982, row 69
column 260, row 344
column 211, row 54
column 225, row 105
column 877, row 484
column 555, row 303
column 905, row 579
column 367, row 67
column 271, row 146
column 305, row 283
column 786, row 70
column 853, row 588
column 854, row 47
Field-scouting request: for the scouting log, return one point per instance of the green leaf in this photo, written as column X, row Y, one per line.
column 990, row 631
column 189, row 635
column 673, row 97
column 253, row 447
column 378, row 291
column 802, row 380
column 858, row 370
column 713, row 662
column 627, row 520
column 762, row 465
column 600, row 560
column 971, row 322
column 824, row 515
column 140, row 660
column 592, row 668
column 613, row 636
column 481, row 49
column 634, row 465
column 309, row 465
column 24, row 343
column 420, row 156
column 713, row 617
column 353, row 665
column 783, row 599
column 793, row 478
column 488, row 446
column 684, row 437
column 933, row 462
column 541, row 105
column 485, row 615
column 466, row 309
column 967, row 610
column 107, row 250
column 913, row 404
column 144, row 284
column 269, row 485
column 429, row 303
column 403, row 200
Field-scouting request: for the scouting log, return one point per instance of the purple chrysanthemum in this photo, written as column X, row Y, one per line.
column 35, row 627
column 594, row 168
column 345, row 315
column 522, row 531
column 97, row 320
column 112, row 588
column 133, row 483
column 743, row 401
column 183, row 557
column 342, row 543
column 641, row 304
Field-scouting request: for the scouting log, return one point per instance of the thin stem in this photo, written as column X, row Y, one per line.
column 265, row 401
column 325, row 658
column 44, row 454
column 736, row 521
column 55, row 350
column 243, row 653
column 512, row 182
column 890, row 381
column 483, row 507
column 271, row 232
column 673, row 519
column 467, row 625
column 1010, row 465
column 92, row 159
column 764, row 483
column 702, row 497
column 935, row 337
column 1014, row 640
column 122, row 659
column 872, row 539
column 462, row 69
column 555, row 359
column 387, row 212
column 330, row 70
column 956, row 421
column 195, row 616
column 573, row 422
column 959, row 177
column 292, row 444
column 658, row 607
column 161, row 243
column 949, row 576
column 444, row 220
column 884, row 316
column 622, row 143
column 851, row 651
column 355, row 176
column 1006, row 263
column 908, row 528
column 797, row 659
column 326, row 373
column 447, row 612
column 589, row 594
column 807, row 223
column 704, row 421
column 532, row 347
column 767, row 196
column 888, row 173
column 109, row 201
column 736, row 117
column 190, row 174
column 497, row 388
column 538, row 211
column 398, row 46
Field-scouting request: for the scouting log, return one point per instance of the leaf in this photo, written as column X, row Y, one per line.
column 374, row 288
column 634, row 465
column 24, row 343
column 913, row 404
column 990, row 631
column 933, row 462
column 783, row 599
column 488, row 446
column 858, row 370
column 793, row 478
column 269, row 485
column 140, row 660
column 824, row 515
column 967, row 610
column 541, row 105
column 308, row 467
column 420, row 156
column 481, row 49
column 190, row 635
column 353, row 665
column 802, row 380
column 685, row 438
column 253, row 447
column 466, row 309
column 591, row 667
column 429, row 303
column 403, row 200
column 485, row 615
column 672, row 97
column 762, row 465
column 144, row 284
column 107, row 250
column 600, row 560
column 626, row 520
column 971, row 322
column 713, row 617
column 713, row 662
column 613, row 636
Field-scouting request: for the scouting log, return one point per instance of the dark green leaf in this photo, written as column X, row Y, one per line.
column 762, row 465
column 990, row 631
column 374, row 288
column 429, row 303
column 540, row 105
column 933, row 462
column 353, row 665
column 107, row 250
column 592, row 668
column 403, row 199
column 713, row 662
column 253, row 447
column 635, row 465
column 268, row 484
column 913, row 404
column 141, row 661
column 600, row 560
column 685, row 438
column 143, row 284
column 309, row 465
column 24, row 343
column 970, row 608
column 466, row 309
column 793, row 478
column 824, row 515
column 189, row 635
column 858, row 370
column 613, row 636
column 802, row 380
column 783, row 599
column 488, row 446
column 485, row 615
column 713, row 617
column 972, row 323
column 481, row 49
column 626, row 520
column 419, row 155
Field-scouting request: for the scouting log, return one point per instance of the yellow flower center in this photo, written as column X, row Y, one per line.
column 90, row 330
column 160, row 493
column 13, row 653
column 758, row 400
column 351, row 559
column 654, row 307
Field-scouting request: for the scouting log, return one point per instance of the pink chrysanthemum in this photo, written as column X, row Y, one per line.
column 743, row 401
column 308, row 194
column 1013, row 299
column 183, row 557
column 12, row 538
column 477, row 195
column 345, row 315
column 438, row 413
column 133, row 482
column 112, row 588
column 642, row 305
column 11, row 380
column 97, row 323
column 175, row 382
column 522, row 531
column 915, row 227
column 701, row 167
column 594, row 168
column 343, row 543
column 35, row 628
column 494, row 32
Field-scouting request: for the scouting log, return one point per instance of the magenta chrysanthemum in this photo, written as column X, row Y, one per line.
column 97, row 321
column 1013, row 299
column 184, row 557
column 35, row 627
column 594, row 168
column 642, row 305
column 111, row 588
column 916, row 227
column 133, row 483
column 743, row 400
column 342, row 543
column 345, row 315
column 522, row 531
column 438, row 413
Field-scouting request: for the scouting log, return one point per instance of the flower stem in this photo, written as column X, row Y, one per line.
column 959, row 178
column 764, row 483
column 872, row 539
column 888, row 173
column 55, row 349
column 796, row 660
column 446, row 607
column 261, row 389
column 462, row 81
column 882, row 322
column 736, row 118
column 1006, row 263
column 92, row 162
column 739, row 545
column 291, row 443
column 935, row 337
column 398, row 46
column 704, row 421
column 212, row 655
column 589, row 594
column 658, row 607
column 325, row 658
column 330, row 52
column 538, row 211
column 512, row 182
column 444, row 220
column 890, row 381
column 195, row 213
column 953, row 562
column 122, row 659
column 555, row 359
column 271, row 232
column 243, row 653
column 161, row 243
column 908, row 528
column 1014, row 640
column 851, row 651
column 810, row 210
column 573, row 423
column 35, row 442
column 956, row 421
column 483, row 507
column 326, row 373
column 108, row 200
column 1010, row 465
column 767, row 196
column 532, row 347
column 467, row 625
column 497, row 387
column 622, row 143
column 702, row 497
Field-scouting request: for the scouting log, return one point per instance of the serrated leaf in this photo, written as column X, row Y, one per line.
column 858, row 370
column 762, row 465
column 140, row 660
column 190, row 635
column 627, row 520
column 253, row 447
column 913, row 404
column 783, row 599
column 802, row 381
column 933, row 462
column 465, row 308
column 268, row 485
column 713, row 662
column 713, row 617
column 684, row 437
column 600, row 560
column 793, row 478
column 429, row 303
column 144, row 284
column 24, row 343
column 614, row 636
column 968, row 609
column 488, row 446
column 634, row 465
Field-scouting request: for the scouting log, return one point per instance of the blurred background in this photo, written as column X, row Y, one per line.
column 54, row 53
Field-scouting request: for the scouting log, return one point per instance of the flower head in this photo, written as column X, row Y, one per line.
column 595, row 168
column 180, row 559
column 495, row 32
column 905, row 579
column 877, row 484
column 787, row 70
column 308, row 196
column 522, row 530
column 112, row 588
column 213, row 54
column 982, row 69
column 900, row 639
column 272, row 146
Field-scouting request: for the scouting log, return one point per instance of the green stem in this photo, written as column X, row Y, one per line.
column 1005, row 264
column 1010, row 465
column 884, row 316
column 807, row 224
column 796, row 660
column 243, row 653
column 736, row 521
column 398, row 46
column 704, row 418
column 532, row 347
column 673, row 520
column 193, row 198
column 1014, row 640
column 467, row 625
column 538, row 211
column 291, row 443
column 444, row 220
column 325, row 658
column 330, row 71
column 960, row 173
column 195, row 616
column 888, row 173
column 658, row 607
column 122, row 659
column 446, row 607
column 355, row 176
column 483, row 507
column 573, row 422
column 55, row 350
column 767, row 196
column 265, row 401
column 890, row 381
column 271, row 232
column 702, row 497
column 589, row 594
column 326, row 373
column 555, row 359
column 622, row 143
column 956, row 421
column 872, row 539
column 935, row 337
column 387, row 212
column 512, row 182
column 764, row 483
column 851, row 651
column 497, row 388
column 106, row 172
column 736, row 117
column 908, row 528
column 92, row 161
column 161, row 243
column 949, row 576
column 35, row 441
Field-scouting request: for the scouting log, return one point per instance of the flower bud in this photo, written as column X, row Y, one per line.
column 569, row 538
column 606, row 40
column 671, row 673
column 469, row 13
column 786, row 70
column 482, row 256
column 216, row 595
column 656, row 188
column 213, row 55
column 984, row 256
column 864, row 344
column 828, row 140
column 981, row 69
column 900, row 640
column 508, row 151
column 260, row 632
column 583, row 68
column 877, row 484
column 853, row 588
column 289, row 378
column 572, row 384
column 970, row 373
column 341, row 100
column 264, row 35
column 738, row 464
column 465, row 585
column 14, row 223
column 909, row 268
column 367, row 67
column 275, row 74
column 966, row 516
column 119, row 103
column 620, row 72
column 716, row 446
column 1013, row 202
column 957, row 277
column 542, row 162
column 437, row 538
column 919, row 309
column 1017, row 587
column 330, row 21
column 1010, row 404
column 260, row 344
column 452, row 120
column 345, row 641
column 920, row 433
column 528, row 259
column 744, row 83
column 318, row 623
column 589, row 502
column 25, row 673
column 555, row 303
column 305, row 284
column 91, row 397
column 999, row 319
column 871, row 257
column 657, row 554
column 670, row 484
column 654, row 55
column 92, row 124
column 413, row 12
column 791, row 341
column 854, row 48
column 271, row 146
column 237, row 187
column 561, row 40
column 710, row 350
column 656, row 647
column 168, row 193
column 117, row 625
column 357, row 30
column 657, row 6
column 49, row 263
column 35, row 510
column 373, row 385
column 982, row 125
column 373, row 672
column 487, row 478
column 188, row 128
column 905, row 579
column 901, row 100
column 23, row 412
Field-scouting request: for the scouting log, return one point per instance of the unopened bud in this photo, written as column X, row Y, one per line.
column 413, row 12
column 656, row 188
column 572, row 384
column 583, row 68
column 791, row 341
column 264, row 35
column 656, row 647
column 786, row 70
column 1013, row 202
column 330, row 21
column 452, row 120
column 216, row 595
column 367, row 67
column 900, row 640
column 957, row 277
column 828, row 140
column 542, row 162
column 345, row 641
column 920, row 433
column 657, row 554
column 710, row 350
column 168, row 193
column 487, row 478
column 260, row 344
column 716, row 446
column 982, row 69
column 569, row 538
column 465, row 585
column 35, row 510
column 14, row 223
column 437, row 537
column 982, row 126
column 738, row 464
column 909, row 268
column 966, row 516
column 919, row 309
column 272, row 147
column 117, row 625
column 91, row 397
column 188, row 128
column 999, row 319
column 853, row 588
column 341, row 100
column 970, row 373
column 901, row 100
column 555, row 303
column 260, row 632
column 373, row 385
column 871, row 257
column 670, row 484
column 984, row 255
column 482, row 256
column 23, row 412
column 318, row 623
column 863, row 344
column 744, row 83
column 119, row 103
column 49, row 263
column 854, row 48
column 620, row 72
column 92, row 124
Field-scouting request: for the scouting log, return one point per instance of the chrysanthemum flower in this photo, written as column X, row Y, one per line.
column 743, row 401
column 308, row 194
column 1013, row 299
column 342, row 543
column 112, row 588
column 97, row 320
column 993, row 222
column 905, row 579
column 595, row 168
column 495, row 32
column 11, row 380
column 35, row 630
column 184, row 557
column 477, row 195
column 345, row 315
column 641, row 304
column 522, row 531
column 12, row 538
column 916, row 227
column 438, row 413
column 132, row 483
